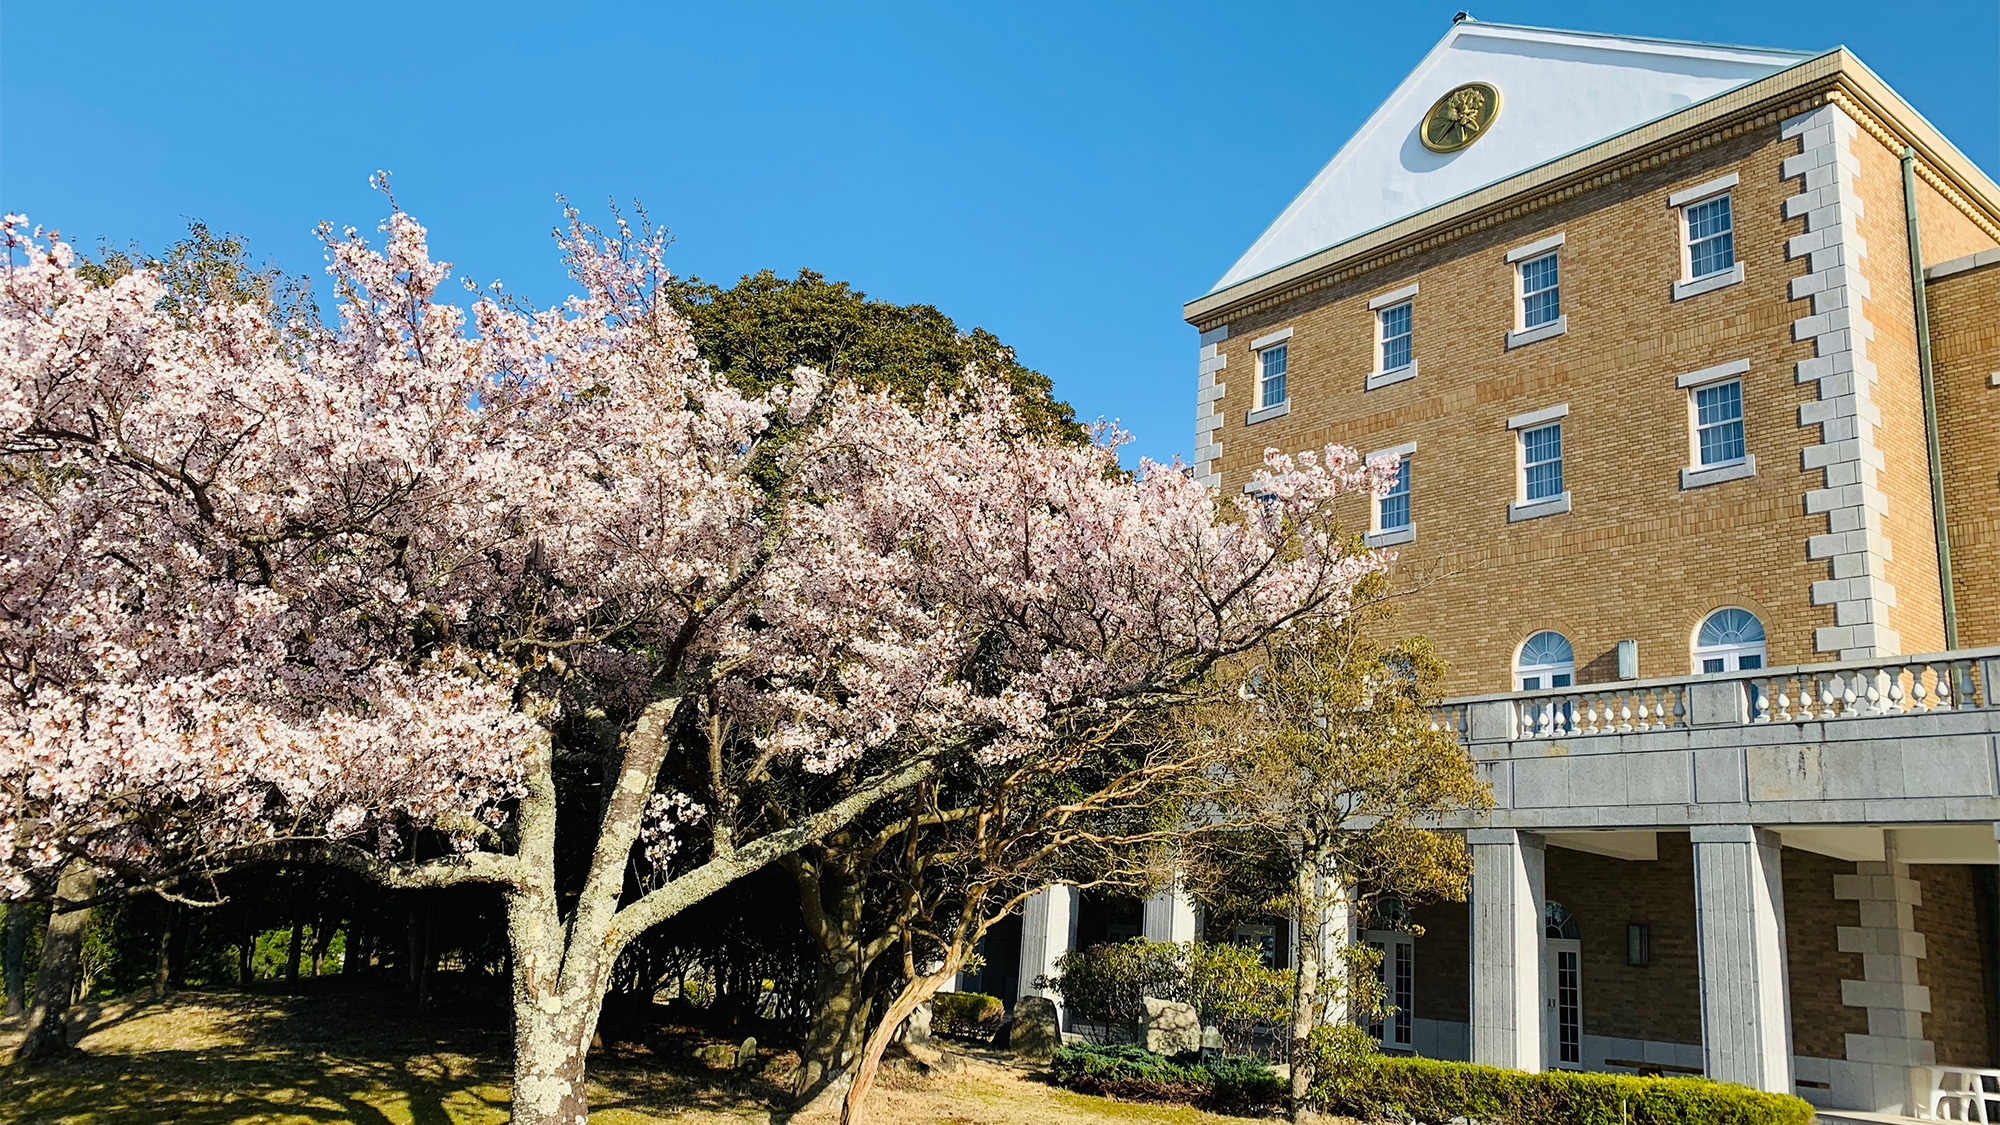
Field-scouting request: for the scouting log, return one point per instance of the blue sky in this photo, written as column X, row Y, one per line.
column 1065, row 175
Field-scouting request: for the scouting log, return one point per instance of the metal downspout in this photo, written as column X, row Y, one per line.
column 1930, row 399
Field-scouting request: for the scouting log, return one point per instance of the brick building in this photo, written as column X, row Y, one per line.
column 1652, row 328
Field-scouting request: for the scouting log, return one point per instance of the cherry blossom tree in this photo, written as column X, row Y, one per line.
column 387, row 594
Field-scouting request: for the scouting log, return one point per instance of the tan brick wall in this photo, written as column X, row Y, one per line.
column 1660, row 1001
column 1918, row 616
column 1965, row 354
column 1956, row 919
column 1945, row 230
column 1636, row 557
column 1814, row 963
column 1444, row 961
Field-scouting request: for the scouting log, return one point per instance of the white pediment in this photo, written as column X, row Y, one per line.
column 1559, row 91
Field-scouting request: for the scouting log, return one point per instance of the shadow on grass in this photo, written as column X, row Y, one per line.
column 213, row 1058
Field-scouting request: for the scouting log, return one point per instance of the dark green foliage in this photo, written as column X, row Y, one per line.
column 1433, row 1092
column 971, row 1015
column 1127, row 1071
column 1228, row 986
column 757, row 331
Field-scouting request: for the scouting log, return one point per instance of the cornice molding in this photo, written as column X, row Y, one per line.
column 1836, row 77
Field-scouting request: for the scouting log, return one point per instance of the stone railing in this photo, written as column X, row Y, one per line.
column 1967, row 679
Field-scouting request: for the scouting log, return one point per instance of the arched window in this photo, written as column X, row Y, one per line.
column 1559, row 923
column 1729, row 640
column 1546, row 661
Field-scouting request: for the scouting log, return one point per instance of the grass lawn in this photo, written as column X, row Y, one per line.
column 223, row 1058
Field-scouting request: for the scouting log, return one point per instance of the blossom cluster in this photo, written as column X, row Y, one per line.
column 253, row 586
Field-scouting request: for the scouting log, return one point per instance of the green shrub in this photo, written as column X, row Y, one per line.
column 1228, row 986
column 1134, row 1073
column 970, row 1015
column 1432, row 1092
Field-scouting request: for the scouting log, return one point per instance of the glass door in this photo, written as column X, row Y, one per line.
column 1564, row 1027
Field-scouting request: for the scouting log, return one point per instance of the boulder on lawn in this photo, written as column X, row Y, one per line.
column 917, row 1029
column 1172, row 1028
column 746, row 1055
column 1036, row 1032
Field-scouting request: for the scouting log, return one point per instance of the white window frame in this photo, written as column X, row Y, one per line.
column 1696, row 474
column 1379, row 307
column 1518, row 259
column 1523, row 424
column 1398, row 1029
column 1730, row 655
column 1259, row 348
column 1549, row 672
column 1379, row 536
column 1680, row 203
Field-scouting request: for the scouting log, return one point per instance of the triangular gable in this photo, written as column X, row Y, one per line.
column 1559, row 91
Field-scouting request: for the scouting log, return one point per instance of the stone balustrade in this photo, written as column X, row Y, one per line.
column 1906, row 739
column 1968, row 679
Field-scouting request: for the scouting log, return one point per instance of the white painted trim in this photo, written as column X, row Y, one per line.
column 1379, row 379
column 1267, row 413
column 1699, row 192
column 1406, row 534
column 1535, row 249
column 1714, row 281
column 1551, row 507
column 1692, row 478
column 1537, row 417
column 1399, row 452
column 1393, row 297
column 1525, row 336
column 1712, row 374
column 1266, row 340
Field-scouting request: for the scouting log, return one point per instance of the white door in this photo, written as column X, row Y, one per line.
column 1399, row 990
column 1563, row 995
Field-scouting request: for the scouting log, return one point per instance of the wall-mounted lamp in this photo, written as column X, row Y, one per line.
column 1628, row 660
column 1638, row 944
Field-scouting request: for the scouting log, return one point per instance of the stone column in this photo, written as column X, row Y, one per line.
column 1895, row 1052
column 1169, row 915
column 1746, row 1019
column 1048, row 930
column 1338, row 931
column 1507, row 947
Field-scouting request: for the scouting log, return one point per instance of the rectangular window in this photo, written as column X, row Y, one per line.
column 1271, row 376
column 1711, row 237
column 1718, row 421
column 1394, row 323
column 1541, row 461
column 1394, row 508
column 1541, row 296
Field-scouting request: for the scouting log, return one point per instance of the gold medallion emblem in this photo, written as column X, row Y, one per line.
column 1460, row 117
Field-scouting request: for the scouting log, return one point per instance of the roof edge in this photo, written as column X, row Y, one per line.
column 1833, row 73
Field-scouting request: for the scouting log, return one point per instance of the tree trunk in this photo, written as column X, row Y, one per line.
column 1305, row 981
column 354, row 958
column 322, row 937
column 163, row 967
column 292, row 955
column 831, row 901
column 46, row 1036
column 549, row 1053
column 246, row 953
column 914, row 993
column 17, row 958
column 839, row 1022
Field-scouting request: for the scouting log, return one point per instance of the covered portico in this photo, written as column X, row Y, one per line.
column 1859, row 771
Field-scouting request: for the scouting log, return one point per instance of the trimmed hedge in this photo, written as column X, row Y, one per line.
column 1433, row 1092
column 1134, row 1073
column 970, row 1015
